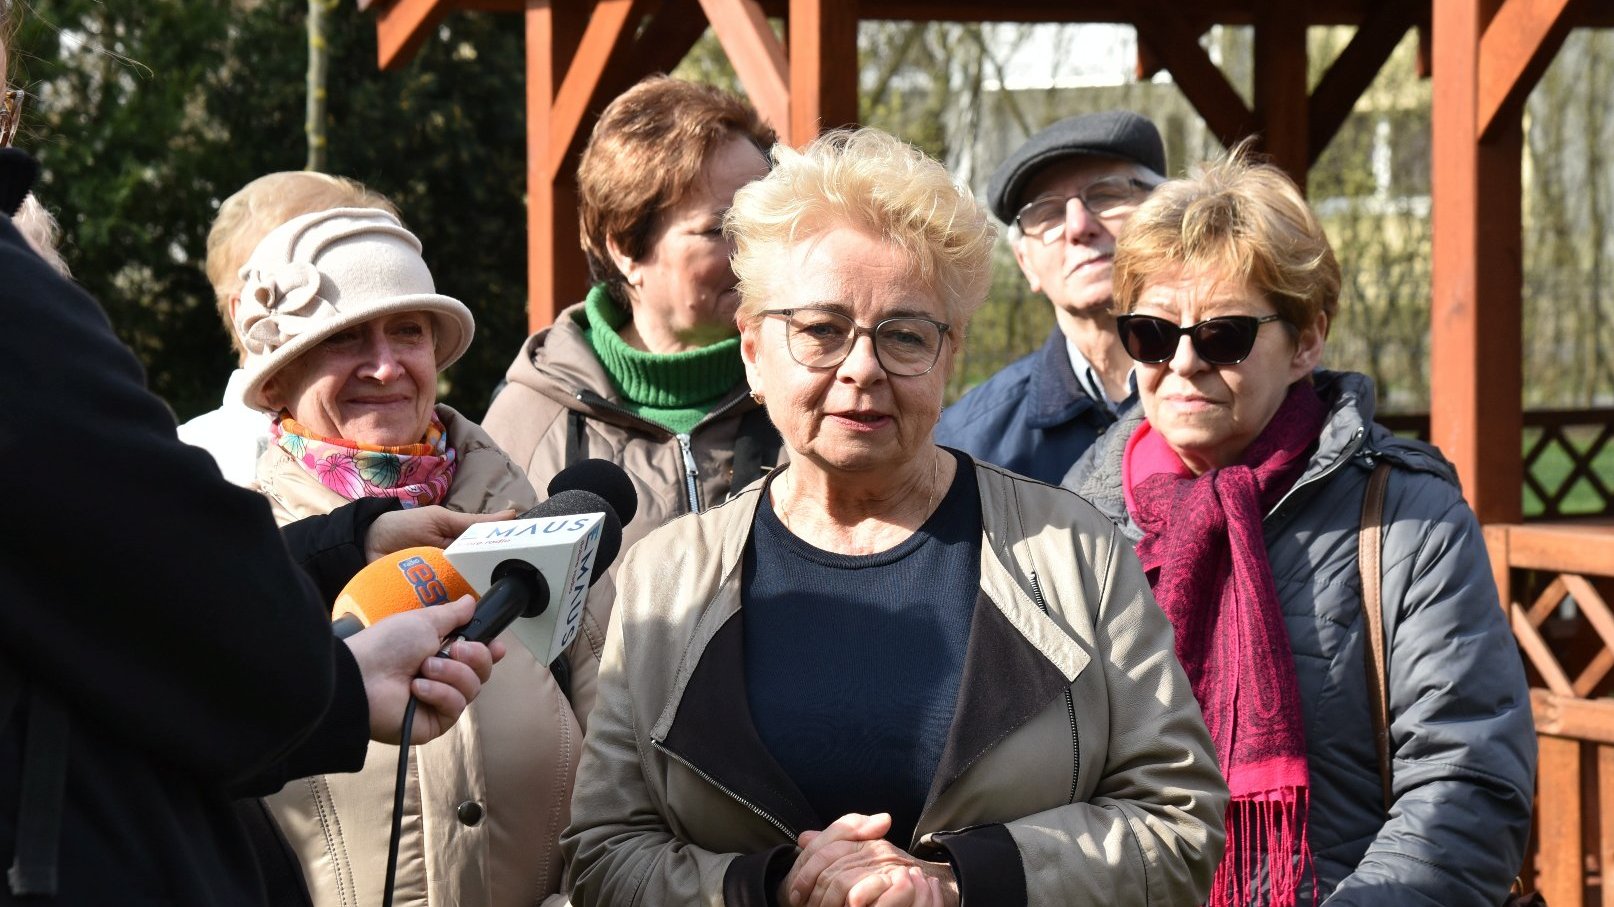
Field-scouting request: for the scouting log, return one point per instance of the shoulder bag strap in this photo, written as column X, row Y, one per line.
column 1369, row 541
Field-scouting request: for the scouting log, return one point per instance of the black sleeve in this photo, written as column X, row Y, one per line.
column 156, row 599
column 330, row 548
column 753, row 879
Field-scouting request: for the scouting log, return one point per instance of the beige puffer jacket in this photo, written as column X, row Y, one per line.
column 486, row 801
column 559, row 406
column 1077, row 770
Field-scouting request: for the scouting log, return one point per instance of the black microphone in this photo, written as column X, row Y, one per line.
column 609, row 481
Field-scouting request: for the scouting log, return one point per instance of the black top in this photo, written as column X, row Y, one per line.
column 852, row 663
column 158, row 605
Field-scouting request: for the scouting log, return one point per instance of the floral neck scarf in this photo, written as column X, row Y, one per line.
column 417, row 474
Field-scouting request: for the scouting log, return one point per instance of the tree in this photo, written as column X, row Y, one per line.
column 149, row 114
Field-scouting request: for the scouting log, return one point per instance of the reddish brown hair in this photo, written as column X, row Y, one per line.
column 645, row 154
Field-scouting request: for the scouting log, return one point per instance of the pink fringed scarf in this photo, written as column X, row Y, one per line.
column 1206, row 557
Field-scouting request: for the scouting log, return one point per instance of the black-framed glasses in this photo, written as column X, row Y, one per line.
column 906, row 346
column 10, row 115
column 1225, row 340
column 1110, row 197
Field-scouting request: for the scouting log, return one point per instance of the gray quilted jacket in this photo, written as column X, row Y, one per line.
column 1463, row 743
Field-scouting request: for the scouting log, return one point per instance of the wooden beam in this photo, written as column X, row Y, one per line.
column 1572, row 717
column 557, row 273
column 1498, row 545
column 1207, row 89
column 1518, row 44
column 1202, row 12
column 1476, row 373
column 403, row 26
column 823, row 67
column 1281, row 98
column 1354, row 70
column 757, row 55
column 1562, row 547
column 608, row 35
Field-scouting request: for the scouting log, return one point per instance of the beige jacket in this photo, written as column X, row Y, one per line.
column 486, row 801
column 1077, row 771
column 558, row 406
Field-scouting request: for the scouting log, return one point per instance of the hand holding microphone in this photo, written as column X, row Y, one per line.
column 399, row 658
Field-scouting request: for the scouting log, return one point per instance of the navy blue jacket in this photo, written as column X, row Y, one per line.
column 1033, row 417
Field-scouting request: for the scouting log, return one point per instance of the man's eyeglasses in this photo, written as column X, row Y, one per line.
column 10, row 115
column 818, row 338
column 1226, row 340
column 1109, row 198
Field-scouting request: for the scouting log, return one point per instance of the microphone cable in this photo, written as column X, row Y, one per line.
column 398, row 800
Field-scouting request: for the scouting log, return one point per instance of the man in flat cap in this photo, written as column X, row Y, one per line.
column 1065, row 195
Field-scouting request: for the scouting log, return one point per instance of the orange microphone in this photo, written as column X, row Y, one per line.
column 403, row 581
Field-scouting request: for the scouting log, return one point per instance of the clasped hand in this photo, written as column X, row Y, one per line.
column 850, row 864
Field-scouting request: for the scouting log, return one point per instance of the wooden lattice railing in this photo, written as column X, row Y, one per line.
column 1556, row 582
column 1568, row 460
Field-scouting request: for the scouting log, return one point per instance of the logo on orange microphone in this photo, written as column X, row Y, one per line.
column 428, row 588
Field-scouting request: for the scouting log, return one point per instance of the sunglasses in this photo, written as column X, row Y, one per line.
column 1226, row 340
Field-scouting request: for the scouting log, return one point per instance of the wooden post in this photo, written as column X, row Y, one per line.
column 1281, row 100
column 1558, row 808
column 823, row 67
column 1476, row 373
column 557, row 273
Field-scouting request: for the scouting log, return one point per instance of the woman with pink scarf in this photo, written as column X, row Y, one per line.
column 1242, row 481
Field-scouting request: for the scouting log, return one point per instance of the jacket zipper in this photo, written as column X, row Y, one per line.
column 1345, row 457
column 761, row 813
column 1070, row 704
column 691, row 475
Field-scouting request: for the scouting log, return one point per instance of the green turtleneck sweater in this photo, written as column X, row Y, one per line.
column 674, row 390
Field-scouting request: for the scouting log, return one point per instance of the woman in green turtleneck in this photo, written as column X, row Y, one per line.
column 646, row 371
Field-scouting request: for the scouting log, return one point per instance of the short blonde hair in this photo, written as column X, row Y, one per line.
column 870, row 181
column 645, row 154
column 1239, row 219
column 260, row 206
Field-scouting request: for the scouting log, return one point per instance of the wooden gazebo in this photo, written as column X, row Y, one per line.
column 1484, row 57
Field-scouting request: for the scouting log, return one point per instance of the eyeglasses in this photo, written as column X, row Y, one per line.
column 10, row 115
column 1226, row 340
column 1110, row 197
column 906, row 346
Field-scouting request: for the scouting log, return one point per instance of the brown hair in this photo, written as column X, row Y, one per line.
column 260, row 206
column 1239, row 219
column 644, row 156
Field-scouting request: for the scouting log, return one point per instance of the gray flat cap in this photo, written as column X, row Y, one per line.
column 1119, row 134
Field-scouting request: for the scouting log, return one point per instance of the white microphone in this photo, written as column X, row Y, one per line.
column 536, row 568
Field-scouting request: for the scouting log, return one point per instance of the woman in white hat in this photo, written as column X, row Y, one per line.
column 345, row 334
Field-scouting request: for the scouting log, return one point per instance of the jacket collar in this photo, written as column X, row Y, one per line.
column 1054, row 396
column 707, row 724
column 559, row 363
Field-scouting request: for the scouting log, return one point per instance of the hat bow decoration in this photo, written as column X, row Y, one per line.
column 278, row 303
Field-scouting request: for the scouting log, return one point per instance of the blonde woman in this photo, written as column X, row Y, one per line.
column 886, row 673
